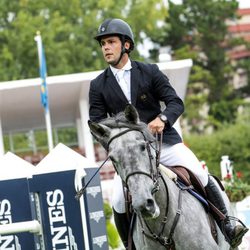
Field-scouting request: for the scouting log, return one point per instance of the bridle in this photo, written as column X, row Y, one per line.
column 154, row 175
column 154, row 172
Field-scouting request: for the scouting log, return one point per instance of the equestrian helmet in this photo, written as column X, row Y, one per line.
column 116, row 27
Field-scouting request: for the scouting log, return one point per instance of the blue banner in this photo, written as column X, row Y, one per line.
column 43, row 71
column 15, row 207
column 43, row 75
column 61, row 214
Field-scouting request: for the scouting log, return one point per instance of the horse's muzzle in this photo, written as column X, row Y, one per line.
column 149, row 210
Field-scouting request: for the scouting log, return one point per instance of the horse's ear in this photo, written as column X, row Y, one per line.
column 100, row 132
column 131, row 114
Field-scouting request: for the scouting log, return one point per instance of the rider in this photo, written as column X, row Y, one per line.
column 144, row 85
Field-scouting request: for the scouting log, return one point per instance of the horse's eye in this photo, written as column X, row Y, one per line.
column 142, row 147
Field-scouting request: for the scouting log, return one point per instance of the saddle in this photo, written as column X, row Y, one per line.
column 197, row 190
column 189, row 179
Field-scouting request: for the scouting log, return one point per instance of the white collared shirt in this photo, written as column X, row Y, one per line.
column 123, row 78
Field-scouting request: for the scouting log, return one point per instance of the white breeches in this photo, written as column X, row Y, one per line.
column 176, row 155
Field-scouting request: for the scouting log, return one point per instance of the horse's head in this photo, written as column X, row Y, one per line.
column 127, row 141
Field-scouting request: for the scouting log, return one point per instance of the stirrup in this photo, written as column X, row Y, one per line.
column 229, row 218
column 236, row 241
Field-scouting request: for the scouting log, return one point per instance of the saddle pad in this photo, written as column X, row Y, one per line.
column 168, row 172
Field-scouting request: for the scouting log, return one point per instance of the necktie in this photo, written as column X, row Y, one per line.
column 123, row 84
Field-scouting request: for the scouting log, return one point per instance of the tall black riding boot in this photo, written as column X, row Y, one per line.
column 233, row 234
column 122, row 224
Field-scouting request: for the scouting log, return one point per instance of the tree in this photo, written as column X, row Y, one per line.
column 233, row 140
column 201, row 27
column 67, row 29
column 245, row 64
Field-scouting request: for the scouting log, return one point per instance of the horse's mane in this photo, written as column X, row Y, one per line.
column 120, row 121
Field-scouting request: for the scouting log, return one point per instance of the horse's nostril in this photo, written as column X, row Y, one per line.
column 149, row 204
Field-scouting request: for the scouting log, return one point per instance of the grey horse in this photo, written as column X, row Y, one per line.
column 167, row 217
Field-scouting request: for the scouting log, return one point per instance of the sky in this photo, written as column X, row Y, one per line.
column 242, row 3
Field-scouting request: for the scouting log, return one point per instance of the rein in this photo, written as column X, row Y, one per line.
column 81, row 191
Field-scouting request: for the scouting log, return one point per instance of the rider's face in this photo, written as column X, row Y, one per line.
column 111, row 49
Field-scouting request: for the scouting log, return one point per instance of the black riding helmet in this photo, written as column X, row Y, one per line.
column 116, row 27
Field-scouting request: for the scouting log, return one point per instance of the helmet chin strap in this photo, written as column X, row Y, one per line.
column 123, row 51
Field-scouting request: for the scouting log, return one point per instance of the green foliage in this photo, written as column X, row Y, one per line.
column 67, row 29
column 232, row 140
column 67, row 135
column 107, row 211
column 113, row 236
column 185, row 52
column 197, row 29
column 225, row 111
column 36, row 140
column 41, row 139
column 245, row 64
column 236, row 189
